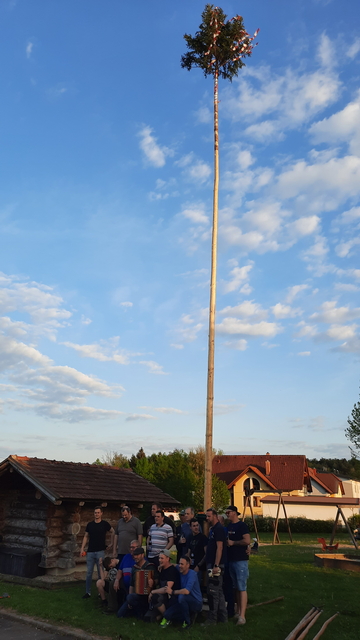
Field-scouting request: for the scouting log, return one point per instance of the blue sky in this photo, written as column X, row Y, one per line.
column 105, row 217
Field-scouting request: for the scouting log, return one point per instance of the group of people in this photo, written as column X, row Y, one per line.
column 145, row 583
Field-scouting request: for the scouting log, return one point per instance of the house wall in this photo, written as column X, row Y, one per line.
column 313, row 512
column 239, row 494
column 351, row 488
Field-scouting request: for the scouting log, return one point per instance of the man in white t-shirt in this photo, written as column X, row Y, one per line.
column 161, row 536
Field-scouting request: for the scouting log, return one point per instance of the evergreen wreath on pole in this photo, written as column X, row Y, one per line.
column 218, row 48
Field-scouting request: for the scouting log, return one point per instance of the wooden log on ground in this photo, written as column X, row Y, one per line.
column 326, row 623
column 309, row 625
column 259, row 604
column 292, row 635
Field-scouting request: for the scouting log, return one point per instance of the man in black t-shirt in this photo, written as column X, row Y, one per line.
column 197, row 549
column 95, row 535
column 238, row 558
column 215, row 559
column 169, row 577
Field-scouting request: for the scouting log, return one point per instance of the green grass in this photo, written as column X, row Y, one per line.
column 282, row 570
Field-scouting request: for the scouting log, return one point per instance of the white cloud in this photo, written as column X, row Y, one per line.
column 126, row 304
column 349, row 217
column 85, row 320
column 354, row 49
column 103, row 352
column 154, row 367
column 342, row 286
column 321, row 186
column 29, row 48
column 12, row 352
column 291, row 98
column 154, row 153
column 224, row 409
column 343, row 249
column 177, row 346
column 196, row 213
column 247, row 309
column 238, row 345
column 233, row 326
column 304, row 353
column 139, row 416
column 294, row 291
column 285, row 311
column 343, row 126
column 238, row 275
column 165, row 410
column 198, row 172
column 332, row 314
column 203, row 115
column 326, row 51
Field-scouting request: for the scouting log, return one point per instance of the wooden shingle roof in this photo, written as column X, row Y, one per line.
column 59, row 480
column 286, row 473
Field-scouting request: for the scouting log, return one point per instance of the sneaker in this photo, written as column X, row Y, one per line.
column 185, row 626
column 241, row 620
column 86, row 596
column 165, row 623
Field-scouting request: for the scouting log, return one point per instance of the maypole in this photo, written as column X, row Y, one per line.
column 217, row 48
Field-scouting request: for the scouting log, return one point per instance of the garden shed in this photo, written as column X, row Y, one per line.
column 46, row 504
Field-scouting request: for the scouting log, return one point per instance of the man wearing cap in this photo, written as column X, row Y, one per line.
column 215, row 561
column 160, row 538
column 161, row 598
column 136, row 604
column 238, row 558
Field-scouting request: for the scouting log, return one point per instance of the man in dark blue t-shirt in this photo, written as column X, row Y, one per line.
column 95, row 535
column 215, row 560
column 238, row 558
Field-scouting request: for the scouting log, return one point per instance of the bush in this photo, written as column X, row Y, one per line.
column 354, row 521
column 297, row 525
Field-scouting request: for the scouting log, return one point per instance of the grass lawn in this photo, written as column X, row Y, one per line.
column 282, row 570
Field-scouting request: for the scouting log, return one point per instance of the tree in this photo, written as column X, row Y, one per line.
column 217, row 49
column 220, row 493
column 113, row 459
column 353, row 431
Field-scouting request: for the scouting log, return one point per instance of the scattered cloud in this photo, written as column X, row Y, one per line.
column 285, row 311
column 154, row 153
column 196, row 213
column 294, row 291
column 246, row 309
column 238, row 275
column 154, row 367
column 233, row 326
column 105, row 351
column 29, row 48
column 165, row 410
column 304, row 353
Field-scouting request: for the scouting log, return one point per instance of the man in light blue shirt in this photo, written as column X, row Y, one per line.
column 189, row 598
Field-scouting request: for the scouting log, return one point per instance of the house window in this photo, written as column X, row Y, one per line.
column 255, row 501
column 256, row 484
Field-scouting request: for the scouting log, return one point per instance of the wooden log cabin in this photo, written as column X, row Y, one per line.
column 45, row 506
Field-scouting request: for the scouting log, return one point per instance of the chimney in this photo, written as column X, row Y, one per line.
column 267, row 467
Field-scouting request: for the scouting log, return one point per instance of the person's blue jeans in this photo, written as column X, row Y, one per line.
column 181, row 610
column 92, row 559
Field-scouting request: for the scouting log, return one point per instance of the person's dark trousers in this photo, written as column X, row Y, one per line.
column 217, row 604
column 181, row 610
column 228, row 590
column 134, row 605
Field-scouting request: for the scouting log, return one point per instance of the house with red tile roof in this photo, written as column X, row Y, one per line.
column 262, row 475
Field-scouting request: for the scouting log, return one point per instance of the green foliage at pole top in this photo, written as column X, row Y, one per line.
column 218, row 46
column 353, row 430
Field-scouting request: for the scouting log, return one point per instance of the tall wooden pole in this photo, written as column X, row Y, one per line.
column 212, row 308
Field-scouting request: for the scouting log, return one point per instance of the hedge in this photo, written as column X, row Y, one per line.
column 297, row 525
